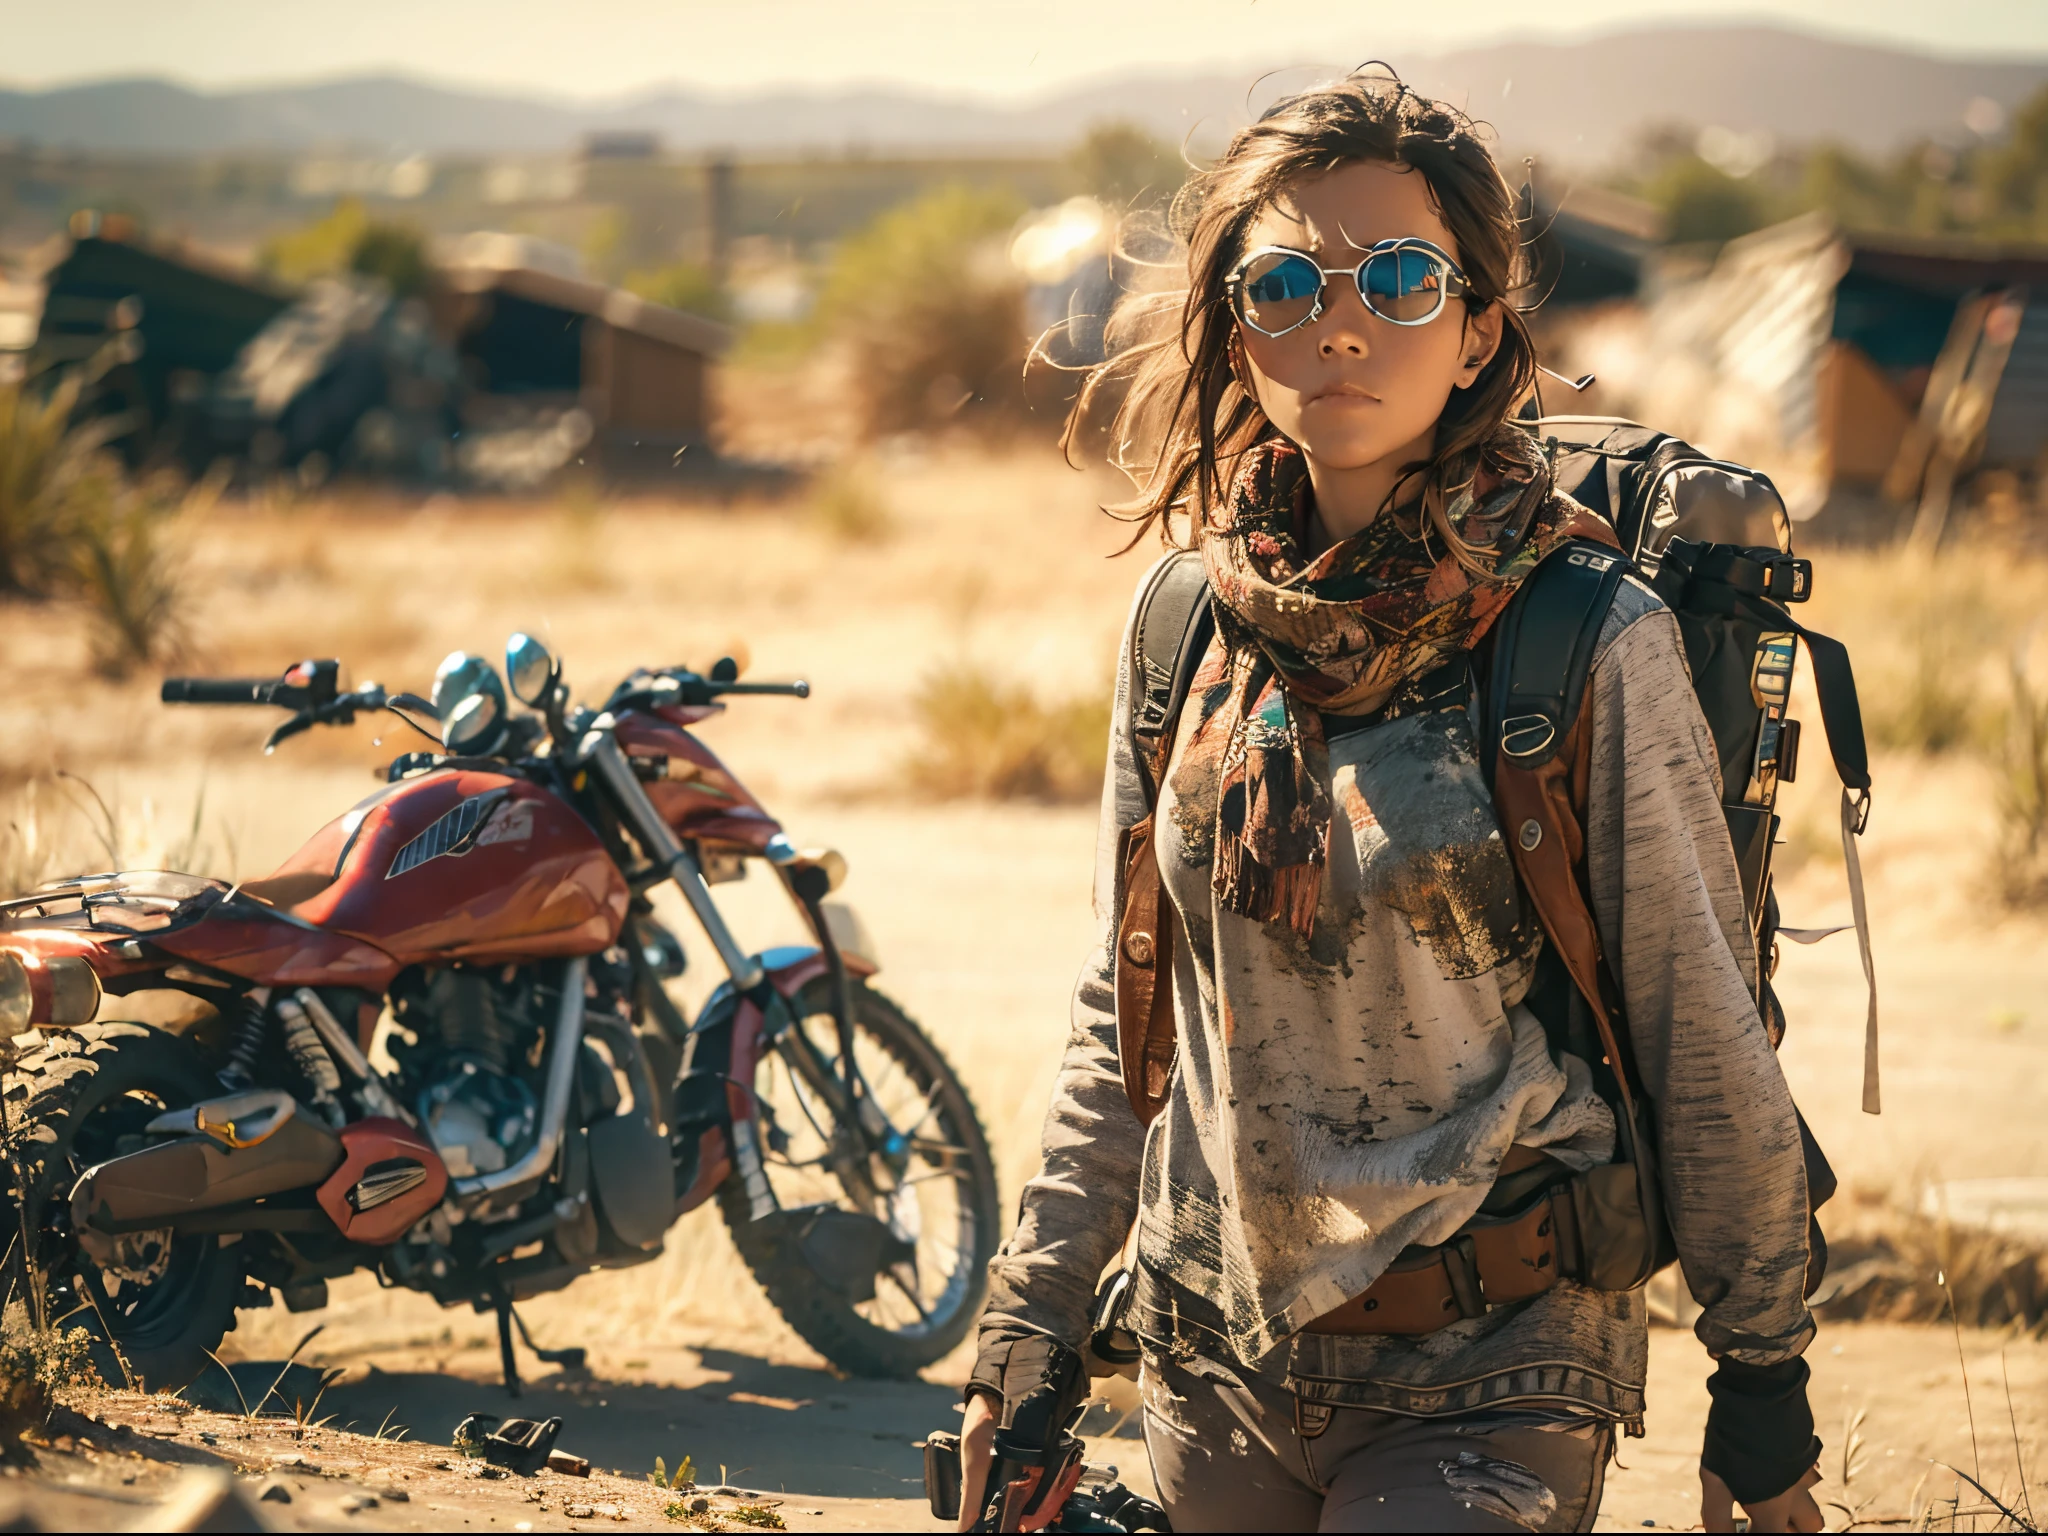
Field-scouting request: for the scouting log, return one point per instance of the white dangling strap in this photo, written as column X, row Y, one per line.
column 1855, row 812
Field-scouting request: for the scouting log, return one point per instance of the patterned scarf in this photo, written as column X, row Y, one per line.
column 1352, row 632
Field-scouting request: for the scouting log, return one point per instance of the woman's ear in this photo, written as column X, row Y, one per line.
column 1482, row 340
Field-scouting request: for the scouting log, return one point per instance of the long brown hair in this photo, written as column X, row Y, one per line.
column 1178, row 413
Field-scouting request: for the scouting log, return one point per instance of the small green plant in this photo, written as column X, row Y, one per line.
column 757, row 1515
column 846, row 505
column 685, row 1474
column 980, row 737
column 38, row 1367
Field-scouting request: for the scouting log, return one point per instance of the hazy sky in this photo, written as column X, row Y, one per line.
column 990, row 47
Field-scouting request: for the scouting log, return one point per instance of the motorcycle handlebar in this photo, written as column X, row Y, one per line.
column 221, row 690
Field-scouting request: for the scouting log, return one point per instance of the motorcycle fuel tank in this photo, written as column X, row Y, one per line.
column 457, row 864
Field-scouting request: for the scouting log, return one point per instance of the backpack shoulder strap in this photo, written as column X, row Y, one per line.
column 1537, row 746
column 1543, row 654
column 1173, row 629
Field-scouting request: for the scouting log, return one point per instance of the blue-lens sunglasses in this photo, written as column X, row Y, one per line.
column 1406, row 281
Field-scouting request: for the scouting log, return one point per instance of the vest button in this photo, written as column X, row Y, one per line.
column 1531, row 835
column 1138, row 947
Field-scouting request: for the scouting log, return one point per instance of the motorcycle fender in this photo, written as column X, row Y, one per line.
column 792, row 967
column 157, row 1185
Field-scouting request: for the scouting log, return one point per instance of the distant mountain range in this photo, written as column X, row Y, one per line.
column 1578, row 102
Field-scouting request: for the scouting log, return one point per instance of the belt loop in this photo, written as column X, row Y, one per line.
column 1461, row 1264
column 1564, row 1223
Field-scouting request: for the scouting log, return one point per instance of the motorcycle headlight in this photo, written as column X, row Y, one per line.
column 17, row 996
column 74, row 991
column 62, row 990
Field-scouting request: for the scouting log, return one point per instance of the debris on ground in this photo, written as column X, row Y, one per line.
column 89, row 1467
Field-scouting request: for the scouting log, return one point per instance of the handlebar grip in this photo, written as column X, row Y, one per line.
column 220, row 690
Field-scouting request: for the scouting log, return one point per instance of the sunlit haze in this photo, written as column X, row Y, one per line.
column 1007, row 48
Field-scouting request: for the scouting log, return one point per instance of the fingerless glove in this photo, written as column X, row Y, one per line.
column 1760, row 1438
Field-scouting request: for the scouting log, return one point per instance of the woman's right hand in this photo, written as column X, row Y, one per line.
column 977, row 1450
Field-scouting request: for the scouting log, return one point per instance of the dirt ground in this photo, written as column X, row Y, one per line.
column 980, row 915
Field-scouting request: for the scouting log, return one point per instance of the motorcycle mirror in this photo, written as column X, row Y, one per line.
column 530, row 668
column 725, row 670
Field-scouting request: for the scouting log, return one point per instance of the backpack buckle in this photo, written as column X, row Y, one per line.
column 1525, row 736
column 1789, row 579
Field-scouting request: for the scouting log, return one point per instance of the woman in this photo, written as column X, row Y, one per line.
column 1355, row 1072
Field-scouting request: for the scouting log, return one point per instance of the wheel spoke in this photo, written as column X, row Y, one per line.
column 909, row 1291
column 942, row 1153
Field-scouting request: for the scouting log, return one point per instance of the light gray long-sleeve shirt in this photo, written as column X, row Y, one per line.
column 1338, row 1098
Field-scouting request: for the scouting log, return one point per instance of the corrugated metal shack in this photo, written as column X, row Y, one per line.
column 507, row 371
column 534, row 340
column 161, row 319
column 1875, row 373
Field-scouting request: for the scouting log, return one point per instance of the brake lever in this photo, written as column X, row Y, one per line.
column 305, row 719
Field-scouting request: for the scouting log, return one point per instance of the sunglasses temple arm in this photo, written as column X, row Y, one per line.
column 1577, row 386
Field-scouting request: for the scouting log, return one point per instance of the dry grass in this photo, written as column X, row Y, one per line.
column 847, row 504
column 981, row 738
column 1911, row 1267
column 2019, row 861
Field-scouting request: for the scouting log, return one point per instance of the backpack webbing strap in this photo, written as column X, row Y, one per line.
column 1174, row 624
column 1841, row 716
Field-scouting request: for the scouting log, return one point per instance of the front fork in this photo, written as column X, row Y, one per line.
column 773, row 1024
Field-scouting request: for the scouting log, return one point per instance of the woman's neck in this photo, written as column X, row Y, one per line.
column 1347, row 500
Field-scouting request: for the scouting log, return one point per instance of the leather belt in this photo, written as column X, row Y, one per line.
column 1489, row 1262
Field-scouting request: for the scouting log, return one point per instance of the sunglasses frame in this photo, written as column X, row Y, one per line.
column 1455, row 283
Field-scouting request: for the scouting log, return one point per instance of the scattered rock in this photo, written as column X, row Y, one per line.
column 394, row 1495
column 484, row 1470
column 296, row 1462
column 357, row 1502
column 567, row 1465
column 698, row 1505
column 578, row 1511
column 274, row 1492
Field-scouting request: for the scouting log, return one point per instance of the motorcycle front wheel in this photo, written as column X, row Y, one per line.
column 884, row 1213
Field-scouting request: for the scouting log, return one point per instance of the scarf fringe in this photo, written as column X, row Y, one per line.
column 1251, row 889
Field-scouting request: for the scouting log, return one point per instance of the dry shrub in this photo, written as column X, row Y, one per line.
column 981, row 738
column 931, row 315
column 1909, row 1266
column 579, row 563
column 2019, row 863
column 73, row 524
column 130, row 572
column 62, row 825
column 1926, row 685
column 846, row 505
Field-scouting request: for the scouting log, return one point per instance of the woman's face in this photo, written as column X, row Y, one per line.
column 1350, row 389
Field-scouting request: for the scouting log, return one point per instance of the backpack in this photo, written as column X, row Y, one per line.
column 1714, row 541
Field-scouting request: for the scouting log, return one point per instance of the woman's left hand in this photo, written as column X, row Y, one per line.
column 1792, row 1510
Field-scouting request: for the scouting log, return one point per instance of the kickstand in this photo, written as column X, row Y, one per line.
column 570, row 1359
column 505, row 1355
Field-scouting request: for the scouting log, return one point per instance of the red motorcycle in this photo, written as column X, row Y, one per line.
column 482, row 923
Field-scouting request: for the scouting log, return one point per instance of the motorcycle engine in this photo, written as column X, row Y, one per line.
column 479, row 1119
column 465, row 1064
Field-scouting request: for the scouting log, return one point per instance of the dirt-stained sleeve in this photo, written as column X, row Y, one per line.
column 1075, row 1212
column 1669, row 905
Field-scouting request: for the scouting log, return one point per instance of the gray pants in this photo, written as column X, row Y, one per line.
column 1251, row 1459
